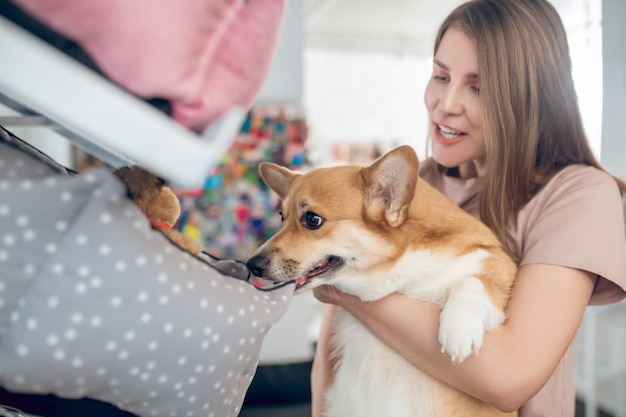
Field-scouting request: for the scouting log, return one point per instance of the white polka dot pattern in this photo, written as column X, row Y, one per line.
column 93, row 302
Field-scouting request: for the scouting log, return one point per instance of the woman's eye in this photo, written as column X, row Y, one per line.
column 312, row 220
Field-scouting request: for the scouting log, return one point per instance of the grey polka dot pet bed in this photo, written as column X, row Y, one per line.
column 94, row 303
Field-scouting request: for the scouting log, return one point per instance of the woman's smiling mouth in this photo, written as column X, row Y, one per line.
column 446, row 135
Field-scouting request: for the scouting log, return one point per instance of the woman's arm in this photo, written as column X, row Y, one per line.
column 515, row 361
column 322, row 371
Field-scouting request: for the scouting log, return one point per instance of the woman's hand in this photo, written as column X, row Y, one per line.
column 327, row 294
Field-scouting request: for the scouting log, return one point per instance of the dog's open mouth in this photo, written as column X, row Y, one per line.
column 329, row 264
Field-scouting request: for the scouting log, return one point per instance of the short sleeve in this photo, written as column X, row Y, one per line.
column 577, row 221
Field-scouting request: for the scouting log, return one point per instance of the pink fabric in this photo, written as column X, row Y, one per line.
column 203, row 55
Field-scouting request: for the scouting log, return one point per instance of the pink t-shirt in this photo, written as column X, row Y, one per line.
column 576, row 220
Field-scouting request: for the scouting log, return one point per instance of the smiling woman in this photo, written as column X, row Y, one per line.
column 508, row 146
column 376, row 84
column 454, row 106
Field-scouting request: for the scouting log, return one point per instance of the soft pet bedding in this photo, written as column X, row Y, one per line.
column 94, row 303
column 204, row 56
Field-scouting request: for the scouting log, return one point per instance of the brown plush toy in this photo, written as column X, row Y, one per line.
column 158, row 202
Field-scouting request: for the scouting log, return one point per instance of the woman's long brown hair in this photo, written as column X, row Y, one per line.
column 532, row 123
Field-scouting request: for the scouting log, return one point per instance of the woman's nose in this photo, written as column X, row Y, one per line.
column 450, row 101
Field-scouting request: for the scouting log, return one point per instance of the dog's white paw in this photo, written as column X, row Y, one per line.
column 461, row 331
column 465, row 317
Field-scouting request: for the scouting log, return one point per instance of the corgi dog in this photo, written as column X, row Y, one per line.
column 376, row 230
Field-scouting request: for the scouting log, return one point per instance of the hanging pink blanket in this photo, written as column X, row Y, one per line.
column 203, row 55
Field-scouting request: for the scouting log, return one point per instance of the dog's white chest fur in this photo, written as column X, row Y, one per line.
column 371, row 379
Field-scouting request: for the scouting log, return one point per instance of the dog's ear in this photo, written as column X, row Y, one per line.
column 390, row 184
column 277, row 178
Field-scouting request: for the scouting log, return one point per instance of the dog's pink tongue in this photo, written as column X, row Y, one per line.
column 300, row 280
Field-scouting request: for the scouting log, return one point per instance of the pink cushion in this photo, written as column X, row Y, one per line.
column 203, row 55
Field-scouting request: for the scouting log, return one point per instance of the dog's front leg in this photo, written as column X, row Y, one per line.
column 465, row 317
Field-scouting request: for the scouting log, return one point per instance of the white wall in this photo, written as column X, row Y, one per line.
column 283, row 84
column 614, row 81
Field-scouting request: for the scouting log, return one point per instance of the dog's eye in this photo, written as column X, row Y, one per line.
column 282, row 218
column 312, row 220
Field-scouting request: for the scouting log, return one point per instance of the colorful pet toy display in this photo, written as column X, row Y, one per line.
column 235, row 211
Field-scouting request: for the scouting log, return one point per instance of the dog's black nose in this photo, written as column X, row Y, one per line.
column 257, row 264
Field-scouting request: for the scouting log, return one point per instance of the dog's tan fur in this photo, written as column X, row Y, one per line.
column 378, row 226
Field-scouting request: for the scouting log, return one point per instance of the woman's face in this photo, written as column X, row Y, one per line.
column 454, row 106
